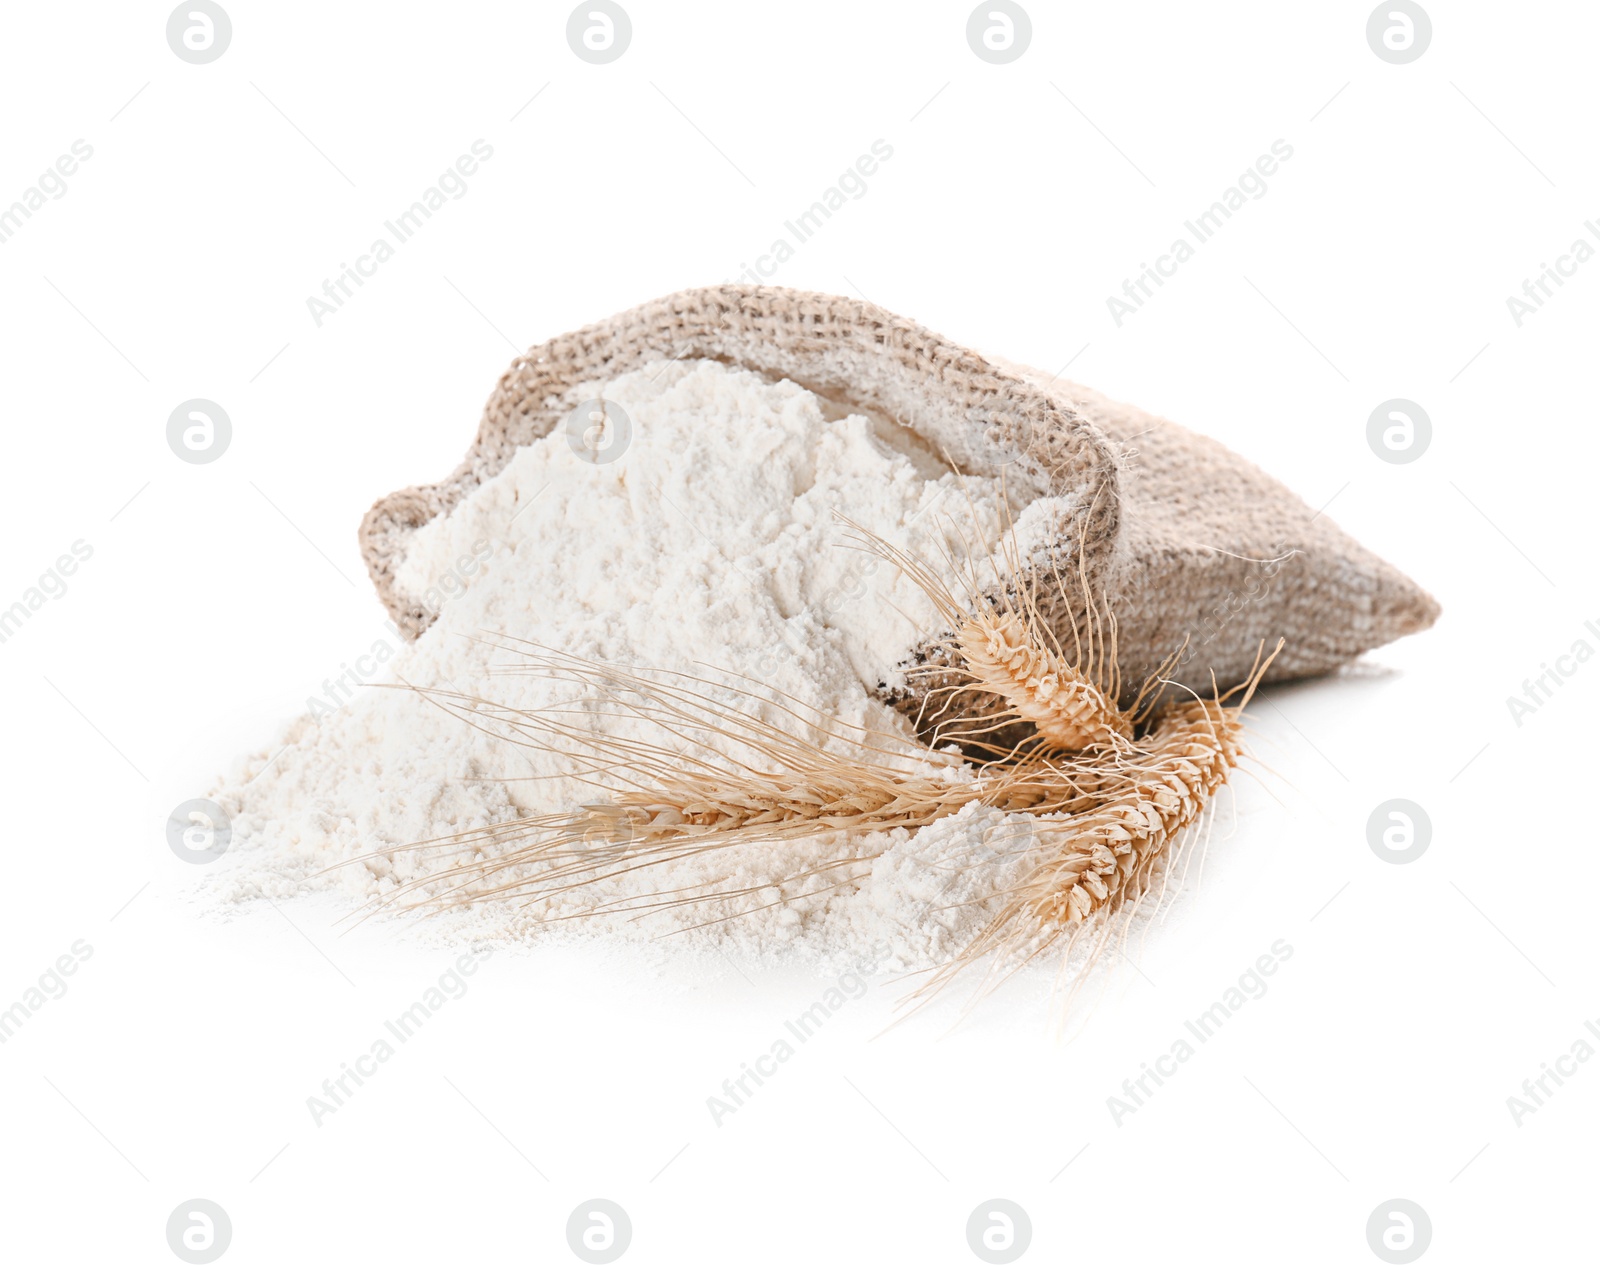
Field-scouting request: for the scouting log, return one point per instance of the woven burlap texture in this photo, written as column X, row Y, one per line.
column 1196, row 550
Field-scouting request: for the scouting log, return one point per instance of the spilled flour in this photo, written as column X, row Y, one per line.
column 705, row 540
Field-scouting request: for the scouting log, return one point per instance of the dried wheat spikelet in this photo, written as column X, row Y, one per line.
column 1090, row 867
column 1001, row 648
column 1092, row 861
column 1069, row 711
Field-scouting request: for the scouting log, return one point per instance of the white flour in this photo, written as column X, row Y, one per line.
column 712, row 546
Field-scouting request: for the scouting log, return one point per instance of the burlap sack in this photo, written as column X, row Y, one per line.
column 1194, row 548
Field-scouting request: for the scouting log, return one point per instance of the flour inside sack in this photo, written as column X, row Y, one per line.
column 699, row 529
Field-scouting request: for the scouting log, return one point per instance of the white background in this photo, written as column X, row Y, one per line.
column 218, row 597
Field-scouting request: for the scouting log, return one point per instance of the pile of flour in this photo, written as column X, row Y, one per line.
column 696, row 529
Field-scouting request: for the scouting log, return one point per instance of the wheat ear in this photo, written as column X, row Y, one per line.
column 1004, row 656
column 683, row 796
column 1005, row 648
column 1088, row 867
